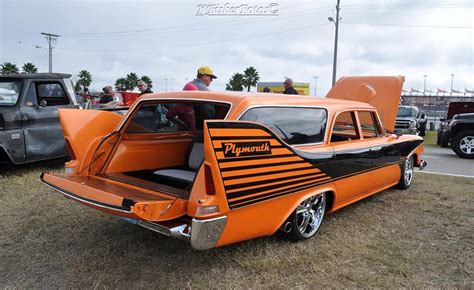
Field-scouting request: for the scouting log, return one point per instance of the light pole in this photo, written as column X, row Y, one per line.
column 172, row 82
column 315, row 81
column 166, row 85
column 452, row 80
column 336, row 23
column 51, row 38
column 424, row 84
column 37, row 46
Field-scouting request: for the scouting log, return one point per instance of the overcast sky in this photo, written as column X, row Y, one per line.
column 167, row 40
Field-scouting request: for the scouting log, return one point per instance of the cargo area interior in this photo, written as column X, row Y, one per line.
column 162, row 146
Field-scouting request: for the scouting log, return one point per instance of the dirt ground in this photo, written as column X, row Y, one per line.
column 421, row 237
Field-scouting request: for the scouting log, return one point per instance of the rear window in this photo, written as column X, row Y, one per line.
column 292, row 125
column 175, row 116
column 9, row 92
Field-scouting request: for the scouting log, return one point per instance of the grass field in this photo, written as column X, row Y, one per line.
column 421, row 237
column 430, row 137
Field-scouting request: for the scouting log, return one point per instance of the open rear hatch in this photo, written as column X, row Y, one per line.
column 116, row 198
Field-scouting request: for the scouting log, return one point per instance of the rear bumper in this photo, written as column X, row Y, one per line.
column 202, row 234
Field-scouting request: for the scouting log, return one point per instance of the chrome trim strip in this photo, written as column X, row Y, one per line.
column 206, row 233
column 69, row 195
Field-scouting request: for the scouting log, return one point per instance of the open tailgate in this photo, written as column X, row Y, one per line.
column 115, row 198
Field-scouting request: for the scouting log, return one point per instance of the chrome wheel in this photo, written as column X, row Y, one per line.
column 466, row 145
column 309, row 215
column 408, row 172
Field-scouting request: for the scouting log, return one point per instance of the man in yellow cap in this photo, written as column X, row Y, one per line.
column 205, row 75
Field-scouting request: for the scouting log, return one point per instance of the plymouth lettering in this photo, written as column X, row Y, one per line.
column 246, row 149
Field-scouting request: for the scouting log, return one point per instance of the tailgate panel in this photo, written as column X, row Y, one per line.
column 113, row 197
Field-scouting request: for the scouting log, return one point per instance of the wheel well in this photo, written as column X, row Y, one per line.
column 415, row 159
column 4, row 157
column 329, row 200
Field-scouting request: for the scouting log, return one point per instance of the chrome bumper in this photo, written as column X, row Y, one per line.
column 203, row 234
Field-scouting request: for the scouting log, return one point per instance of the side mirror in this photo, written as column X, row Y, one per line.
column 43, row 103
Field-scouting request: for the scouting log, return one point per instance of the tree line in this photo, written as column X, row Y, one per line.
column 238, row 81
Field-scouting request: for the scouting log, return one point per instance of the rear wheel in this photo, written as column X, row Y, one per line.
column 406, row 177
column 306, row 219
column 463, row 144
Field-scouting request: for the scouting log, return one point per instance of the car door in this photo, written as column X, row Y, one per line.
column 39, row 111
column 353, row 159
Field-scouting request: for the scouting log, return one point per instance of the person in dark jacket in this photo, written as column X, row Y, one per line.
column 144, row 88
column 289, row 90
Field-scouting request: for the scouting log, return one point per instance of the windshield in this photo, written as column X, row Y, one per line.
column 9, row 92
column 406, row 112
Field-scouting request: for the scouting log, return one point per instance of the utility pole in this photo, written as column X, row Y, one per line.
column 336, row 23
column 424, row 84
column 51, row 38
column 452, row 80
column 166, row 85
column 172, row 85
column 315, row 81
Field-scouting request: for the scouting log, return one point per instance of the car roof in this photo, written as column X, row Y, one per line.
column 36, row 76
column 243, row 100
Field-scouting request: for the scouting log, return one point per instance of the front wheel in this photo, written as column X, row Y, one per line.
column 406, row 177
column 463, row 144
column 306, row 219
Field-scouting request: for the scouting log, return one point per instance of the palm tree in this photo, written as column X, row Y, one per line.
column 132, row 79
column 29, row 68
column 121, row 84
column 147, row 81
column 85, row 79
column 251, row 77
column 9, row 68
column 236, row 83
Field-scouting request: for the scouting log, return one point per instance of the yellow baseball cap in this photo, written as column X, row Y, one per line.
column 205, row 70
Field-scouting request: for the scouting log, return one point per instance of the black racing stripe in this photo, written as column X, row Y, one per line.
column 270, row 187
column 263, row 197
column 233, row 125
column 367, row 170
column 267, row 172
column 217, row 138
column 267, row 181
column 261, row 165
column 217, row 149
column 232, row 159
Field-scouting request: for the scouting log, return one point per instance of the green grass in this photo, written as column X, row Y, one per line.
column 430, row 137
column 417, row 238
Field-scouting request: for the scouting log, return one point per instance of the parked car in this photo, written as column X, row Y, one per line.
column 407, row 119
column 460, row 134
column 453, row 109
column 29, row 125
column 224, row 167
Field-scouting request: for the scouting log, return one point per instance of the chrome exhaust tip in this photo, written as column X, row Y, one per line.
column 422, row 164
column 286, row 227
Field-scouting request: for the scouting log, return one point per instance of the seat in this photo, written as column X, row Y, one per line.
column 185, row 176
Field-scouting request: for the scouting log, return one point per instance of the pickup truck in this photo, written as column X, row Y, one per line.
column 460, row 134
column 29, row 125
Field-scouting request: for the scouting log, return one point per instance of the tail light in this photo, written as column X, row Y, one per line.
column 69, row 148
column 210, row 188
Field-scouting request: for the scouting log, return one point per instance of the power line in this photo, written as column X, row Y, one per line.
column 408, row 25
column 197, row 44
column 206, row 24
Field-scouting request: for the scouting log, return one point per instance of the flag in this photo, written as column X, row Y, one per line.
column 468, row 91
column 456, row 91
column 440, row 91
column 414, row 91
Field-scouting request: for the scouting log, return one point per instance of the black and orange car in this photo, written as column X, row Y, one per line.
column 216, row 168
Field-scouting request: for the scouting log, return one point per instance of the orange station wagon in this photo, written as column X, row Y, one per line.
column 215, row 168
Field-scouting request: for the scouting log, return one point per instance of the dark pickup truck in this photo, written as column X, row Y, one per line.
column 29, row 125
column 460, row 134
column 454, row 108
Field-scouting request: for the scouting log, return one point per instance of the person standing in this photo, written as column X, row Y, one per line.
column 204, row 77
column 144, row 88
column 289, row 90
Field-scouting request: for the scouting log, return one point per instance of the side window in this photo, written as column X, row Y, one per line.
column 174, row 117
column 368, row 123
column 292, row 125
column 51, row 93
column 345, row 128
